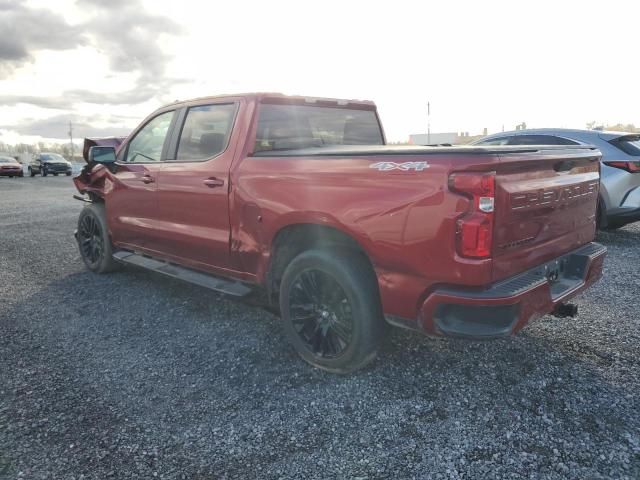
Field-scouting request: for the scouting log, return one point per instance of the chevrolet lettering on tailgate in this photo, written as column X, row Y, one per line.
column 552, row 196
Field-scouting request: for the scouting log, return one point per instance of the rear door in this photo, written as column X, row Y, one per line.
column 193, row 187
column 132, row 203
column 545, row 206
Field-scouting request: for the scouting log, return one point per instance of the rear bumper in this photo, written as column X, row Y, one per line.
column 507, row 306
column 632, row 199
column 629, row 209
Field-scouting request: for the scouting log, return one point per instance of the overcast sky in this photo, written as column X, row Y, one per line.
column 106, row 64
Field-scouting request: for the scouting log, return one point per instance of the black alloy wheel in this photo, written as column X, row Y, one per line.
column 330, row 309
column 93, row 239
column 321, row 313
column 90, row 239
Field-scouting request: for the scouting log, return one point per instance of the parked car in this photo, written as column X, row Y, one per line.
column 619, row 200
column 301, row 199
column 49, row 163
column 10, row 167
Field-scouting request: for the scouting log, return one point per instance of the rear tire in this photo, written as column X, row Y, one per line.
column 605, row 223
column 68, row 174
column 613, row 225
column 331, row 311
column 601, row 217
column 93, row 239
column 55, row 174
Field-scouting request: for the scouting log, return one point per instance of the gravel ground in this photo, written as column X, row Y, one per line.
column 132, row 375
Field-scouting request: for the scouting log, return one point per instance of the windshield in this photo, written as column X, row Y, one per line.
column 629, row 144
column 286, row 127
column 7, row 160
column 52, row 156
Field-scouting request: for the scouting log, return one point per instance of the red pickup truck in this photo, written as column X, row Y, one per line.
column 301, row 199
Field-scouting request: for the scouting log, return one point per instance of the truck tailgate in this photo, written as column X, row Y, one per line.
column 545, row 206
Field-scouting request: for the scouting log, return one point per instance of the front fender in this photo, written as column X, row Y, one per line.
column 91, row 180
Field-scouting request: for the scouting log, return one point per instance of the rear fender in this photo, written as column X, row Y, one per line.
column 307, row 218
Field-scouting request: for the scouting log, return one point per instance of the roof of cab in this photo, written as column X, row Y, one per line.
column 279, row 98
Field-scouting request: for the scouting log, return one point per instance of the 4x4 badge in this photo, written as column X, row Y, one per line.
column 405, row 167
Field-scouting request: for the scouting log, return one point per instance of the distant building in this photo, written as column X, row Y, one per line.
column 434, row 138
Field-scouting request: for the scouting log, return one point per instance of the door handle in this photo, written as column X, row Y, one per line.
column 213, row 182
column 146, row 178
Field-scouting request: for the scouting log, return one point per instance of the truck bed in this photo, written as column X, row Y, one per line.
column 368, row 150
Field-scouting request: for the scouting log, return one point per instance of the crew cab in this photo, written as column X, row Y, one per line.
column 301, row 199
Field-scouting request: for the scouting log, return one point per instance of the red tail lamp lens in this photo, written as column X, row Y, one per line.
column 475, row 228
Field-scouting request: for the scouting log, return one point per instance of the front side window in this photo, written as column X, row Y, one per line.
column 147, row 145
column 286, row 127
column 206, row 131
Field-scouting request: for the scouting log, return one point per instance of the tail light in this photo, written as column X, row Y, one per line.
column 632, row 167
column 474, row 229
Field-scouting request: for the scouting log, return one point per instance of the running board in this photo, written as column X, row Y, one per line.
column 230, row 287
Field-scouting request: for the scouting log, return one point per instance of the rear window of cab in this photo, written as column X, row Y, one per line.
column 287, row 127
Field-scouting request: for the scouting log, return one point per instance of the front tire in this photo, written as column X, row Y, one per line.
column 331, row 311
column 93, row 239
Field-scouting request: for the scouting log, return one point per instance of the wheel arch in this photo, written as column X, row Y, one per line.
column 291, row 240
column 601, row 212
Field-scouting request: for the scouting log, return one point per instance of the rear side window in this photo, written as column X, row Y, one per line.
column 494, row 141
column 540, row 140
column 629, row 144
column 206, row 131
column 287, row 127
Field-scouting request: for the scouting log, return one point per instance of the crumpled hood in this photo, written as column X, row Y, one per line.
column 101, row 142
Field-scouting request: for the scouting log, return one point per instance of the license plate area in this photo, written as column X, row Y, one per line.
column 564, row 274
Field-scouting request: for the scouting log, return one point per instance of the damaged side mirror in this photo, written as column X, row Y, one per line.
column 103, row 155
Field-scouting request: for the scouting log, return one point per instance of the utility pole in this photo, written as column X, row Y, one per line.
column 428, row 123
column 71, row 139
